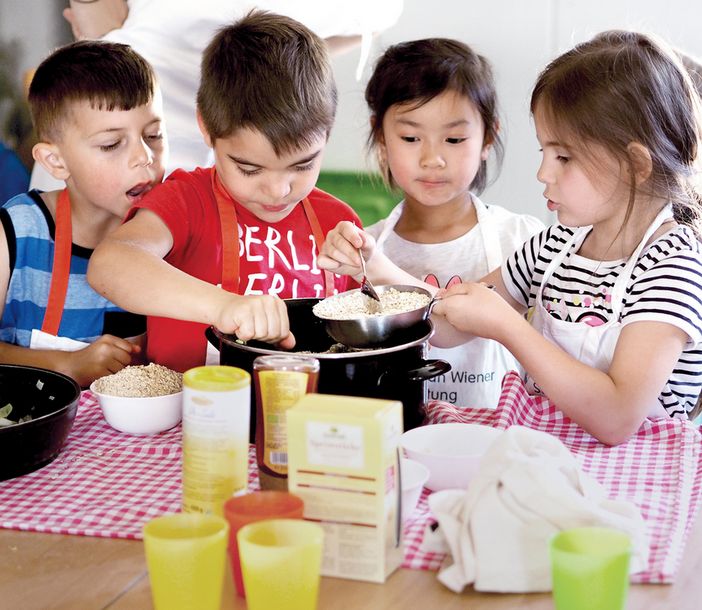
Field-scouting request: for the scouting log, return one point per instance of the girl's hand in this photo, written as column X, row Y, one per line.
column 475, row 308
column 339, row 252
column 264, row 318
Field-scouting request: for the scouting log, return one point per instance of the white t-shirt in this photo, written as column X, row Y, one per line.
column 172, row 35
column 477, row 367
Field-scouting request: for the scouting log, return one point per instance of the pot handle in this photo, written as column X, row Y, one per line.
column 212, row 337
column 429, row 370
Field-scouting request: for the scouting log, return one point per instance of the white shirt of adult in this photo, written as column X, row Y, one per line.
column 172, row 35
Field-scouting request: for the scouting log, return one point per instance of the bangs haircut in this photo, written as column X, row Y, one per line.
column 270, row 74
column 417, row 71
column 626, row 87
column 107, row 75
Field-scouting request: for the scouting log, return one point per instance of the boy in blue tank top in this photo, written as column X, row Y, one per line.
column 98, row 116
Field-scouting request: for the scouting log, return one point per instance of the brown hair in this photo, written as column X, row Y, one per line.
column 417, row 71
column 108, row 75
column 623, row 87
column 268, row 73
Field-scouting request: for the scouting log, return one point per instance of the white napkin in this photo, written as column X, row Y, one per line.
column 528, row 488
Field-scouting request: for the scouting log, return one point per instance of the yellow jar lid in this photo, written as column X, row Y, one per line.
column 216, row 378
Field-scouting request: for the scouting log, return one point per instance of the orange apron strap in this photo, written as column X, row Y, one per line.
column 230, row 228
column 319, row 240
column 61, row 267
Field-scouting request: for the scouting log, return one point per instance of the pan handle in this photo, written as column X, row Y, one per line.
column 428, row 370
column 212, row 337
column 433, row 302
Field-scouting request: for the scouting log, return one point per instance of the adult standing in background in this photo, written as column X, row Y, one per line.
column 172, row 35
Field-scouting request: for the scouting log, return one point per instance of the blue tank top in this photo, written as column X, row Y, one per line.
column 29, row 228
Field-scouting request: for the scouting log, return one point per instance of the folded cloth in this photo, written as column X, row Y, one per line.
column 528, row 488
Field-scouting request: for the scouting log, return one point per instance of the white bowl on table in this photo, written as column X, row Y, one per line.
column 452, row 452
column 413, row 476
column 143, row 414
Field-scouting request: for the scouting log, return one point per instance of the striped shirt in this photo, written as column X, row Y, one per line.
column 29, row 228
column 665, row 286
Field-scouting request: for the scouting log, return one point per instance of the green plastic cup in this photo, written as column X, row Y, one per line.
column 590, row 568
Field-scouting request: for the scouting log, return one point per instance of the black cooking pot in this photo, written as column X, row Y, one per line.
column 396, row 370
column 52, row 400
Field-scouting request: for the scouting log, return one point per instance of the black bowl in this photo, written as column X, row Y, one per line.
column 52, row 400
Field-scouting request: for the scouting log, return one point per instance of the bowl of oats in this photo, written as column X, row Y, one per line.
column 354, row 319
column 143, row 399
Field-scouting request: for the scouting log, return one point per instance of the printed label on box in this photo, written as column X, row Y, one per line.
column 338, row 445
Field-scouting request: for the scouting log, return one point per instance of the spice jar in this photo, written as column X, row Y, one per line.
column 279, row 382
column 216, row 413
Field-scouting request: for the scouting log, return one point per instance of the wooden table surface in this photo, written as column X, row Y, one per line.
column 49, row 571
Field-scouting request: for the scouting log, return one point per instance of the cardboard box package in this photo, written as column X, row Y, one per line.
column 343, row 462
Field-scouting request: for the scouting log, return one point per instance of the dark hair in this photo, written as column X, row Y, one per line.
column 108, row 75
column 417, row 71
column 621, row 88
column 694, row 69
column 268, row 73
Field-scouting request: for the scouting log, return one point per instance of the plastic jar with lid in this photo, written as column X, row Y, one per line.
column 279, row 382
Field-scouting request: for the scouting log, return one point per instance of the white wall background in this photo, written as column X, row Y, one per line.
column 518, row 36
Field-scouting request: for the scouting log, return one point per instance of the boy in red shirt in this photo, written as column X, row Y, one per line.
column 254, row 223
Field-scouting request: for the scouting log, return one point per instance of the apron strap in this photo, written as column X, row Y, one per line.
column 61, row 266
column 230, row 248
column 319, row 239
column 390, row 222
column 229, row 227
column 490, row 235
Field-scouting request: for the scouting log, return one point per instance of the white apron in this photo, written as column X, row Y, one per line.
column 591, row 345
column 477, row 367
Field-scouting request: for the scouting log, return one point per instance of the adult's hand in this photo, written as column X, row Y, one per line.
column 91, row 19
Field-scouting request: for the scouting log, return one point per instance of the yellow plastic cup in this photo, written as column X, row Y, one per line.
column 590, row 568
column 280, row 562
column 186, row 556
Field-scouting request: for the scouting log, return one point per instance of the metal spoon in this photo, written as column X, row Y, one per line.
column 367, row 288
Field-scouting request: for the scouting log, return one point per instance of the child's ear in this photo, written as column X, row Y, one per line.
column 49, row 157
column 640, row 160
column 489, row 140
column 203, row 130
column 380, row 148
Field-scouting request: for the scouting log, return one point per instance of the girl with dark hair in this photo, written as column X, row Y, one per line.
column 434, row 126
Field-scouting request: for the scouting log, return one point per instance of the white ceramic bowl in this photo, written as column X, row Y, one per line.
column 413, row 477
column 142, row 415
column 451, row 452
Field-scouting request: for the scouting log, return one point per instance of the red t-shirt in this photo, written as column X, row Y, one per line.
column 279, row 258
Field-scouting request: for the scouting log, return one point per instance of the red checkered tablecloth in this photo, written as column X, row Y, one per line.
column 103, row 483
column 106, row 483
column 659, row 469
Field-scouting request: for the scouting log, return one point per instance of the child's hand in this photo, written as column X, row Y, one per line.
column 339, row 252
column 264, row 318
column 476, row 309
column 107, row 355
